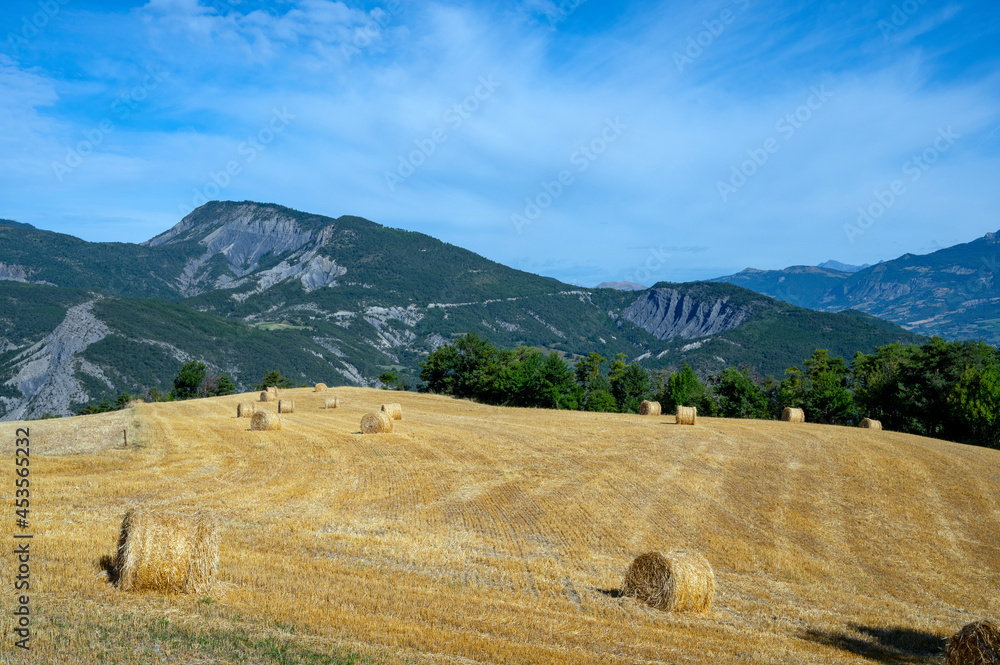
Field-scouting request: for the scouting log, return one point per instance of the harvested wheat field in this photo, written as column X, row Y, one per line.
column 475, row 534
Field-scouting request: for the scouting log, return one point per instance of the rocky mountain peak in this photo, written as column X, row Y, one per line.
column 215, row 222
column 243, row 234
column 842, row 267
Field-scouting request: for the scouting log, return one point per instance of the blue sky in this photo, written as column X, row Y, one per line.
column 588, row 141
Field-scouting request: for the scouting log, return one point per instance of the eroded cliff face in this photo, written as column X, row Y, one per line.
column 13, row 272
column 16, row 273
column 46, row 372
column 243, row 235
column 668, row 313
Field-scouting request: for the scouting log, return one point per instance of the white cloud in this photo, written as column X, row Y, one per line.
column 26, row 94
column 310, row 34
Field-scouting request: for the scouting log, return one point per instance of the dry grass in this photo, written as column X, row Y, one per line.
column 648, row 408
column 686, row 415
column 394, row 411
column 79, row 435
column 166, row 552
column 480, row 535
column 263, row 421
column 869, row 423
column 286, row 406
column 377, row 422
column 791, row 414
column 976, row 644
column 678, row 582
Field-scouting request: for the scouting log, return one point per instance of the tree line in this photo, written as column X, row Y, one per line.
column 947, row 390
column 192, row 381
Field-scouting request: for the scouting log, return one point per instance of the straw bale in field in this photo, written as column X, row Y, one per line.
column 286, row 406
column 244, row 409
column 976, row 644
column 166, row 552
column 648, row 408
column 394, row 411
column 687, row 415
column 265, row 420
column 321, row 387
column 677, row 582
column 870, row 423
column 792, row 415
column 331, row 402
column 376, row 423
column 273, row 390
column 267, row 396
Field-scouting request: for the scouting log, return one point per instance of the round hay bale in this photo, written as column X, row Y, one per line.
column 870, row 423
column 678, row 582
column 976, row 644
column 263, row 421
column 321, row 387
column 687, row 415
column 244, row 410
column 286, row 406
column 267, row 396
column 331, row 402
column 273, row 390
column 376, row 423
column 648, row 408
column 394, row 411
column 792, row 415
column 166, row 552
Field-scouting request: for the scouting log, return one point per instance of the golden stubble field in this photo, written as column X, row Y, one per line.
column 475, row 534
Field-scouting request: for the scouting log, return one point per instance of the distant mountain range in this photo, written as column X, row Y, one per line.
column 248, row 287
column 621, row 286
column 842, row 267
column 953, row 292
